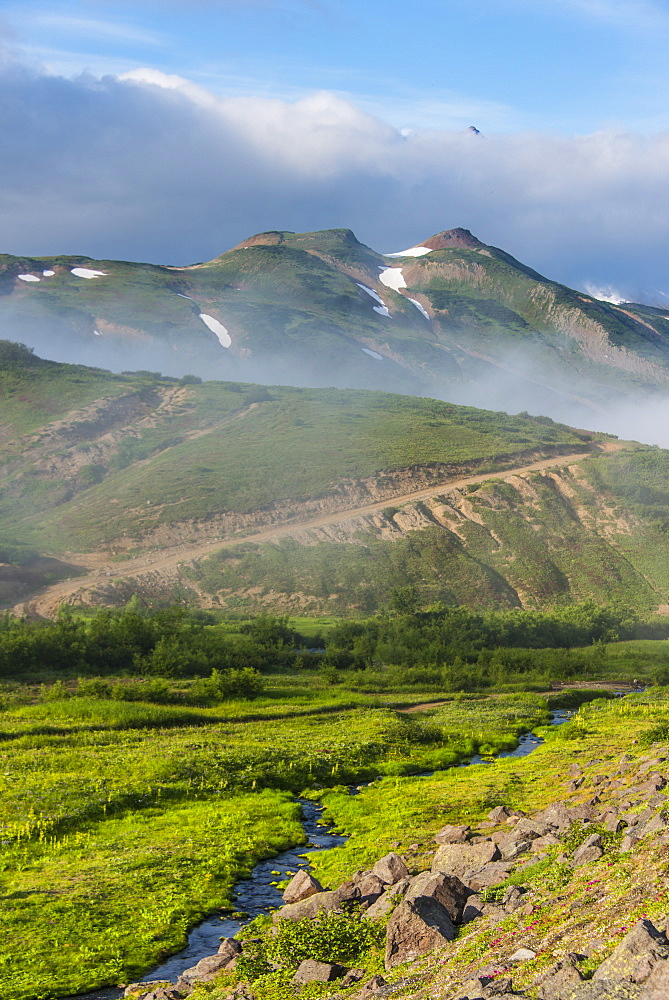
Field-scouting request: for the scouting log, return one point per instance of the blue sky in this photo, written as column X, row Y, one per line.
column 163, row 131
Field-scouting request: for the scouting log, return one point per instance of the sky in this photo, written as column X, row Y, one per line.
column 155, row 130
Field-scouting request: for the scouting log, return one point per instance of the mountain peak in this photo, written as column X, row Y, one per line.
column 451, row 239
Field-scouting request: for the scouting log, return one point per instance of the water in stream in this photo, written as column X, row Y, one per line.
column 257, row 894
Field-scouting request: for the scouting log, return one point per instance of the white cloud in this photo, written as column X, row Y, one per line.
column 154, row 167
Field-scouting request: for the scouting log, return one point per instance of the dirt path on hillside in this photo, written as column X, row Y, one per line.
column 102, row 570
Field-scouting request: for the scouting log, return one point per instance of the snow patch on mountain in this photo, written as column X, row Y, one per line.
column 182, row 296
column 86, row 272
column 224, row 337
column 27, row 277
column 382, row 311
column 411, row 252
column 392, row 277
column 370, row 291
column 421, row 308
column 48, row 274
column 372, row 354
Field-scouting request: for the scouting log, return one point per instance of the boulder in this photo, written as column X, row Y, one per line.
column 416, row 929
column 456, row 859
column 446, row 889
column 474, row 908
column 453, row 834
column 606, row 989
column 230, row 948
column 311, row 971
column 556, row 816
column 390, row 869
column 590, row 850
column 636, row 956
column 388, row 901
column 501, row 813
column 150, row 985
column 523, row 955
column 320, row 902
column 301, row 886
column 513, row 898
column 653, row 826
column 371, row 887
column 512, row 848
column 372, row 988
column 483, row 878
column 206, row 969
column 352, row 977
column 559, row 981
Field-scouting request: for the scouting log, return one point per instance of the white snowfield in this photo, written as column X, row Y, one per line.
column 372, row 354
column 392, row 277
column 411, row 252
column 48, row 274
column 86, row 272
column 419, row 306
column 217, row 328
column 370, row 291
column 382, row 311
column 27, row 277
column 97, row 333
column 182, row 296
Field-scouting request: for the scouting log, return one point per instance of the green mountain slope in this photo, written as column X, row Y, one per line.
column 318, row 500
column 319, row 309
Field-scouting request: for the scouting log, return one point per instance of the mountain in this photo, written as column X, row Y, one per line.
column 278, row 498
column 452, row 318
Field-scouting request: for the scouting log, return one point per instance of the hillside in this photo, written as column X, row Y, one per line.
column 452, row 317
column 317, row 501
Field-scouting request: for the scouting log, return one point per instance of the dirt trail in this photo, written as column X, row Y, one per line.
column 46, row 602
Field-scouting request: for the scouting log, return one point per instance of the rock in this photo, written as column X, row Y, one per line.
column 456, row 859
column 656, row 987
column 301, row 886
column 575, row 771
column 501, row 813
column 150, row 984
column 530, row 829
column 483, row 878
column 390, row 869
column 556, row 816
column 613, row 822
column 453, row 834
column 653, row 826
column 352, row 977
column 388, row 901
column 231, row 948
column 446, row 889
column 560, row 981
column 207, row 968
column 550, row 840
column 512, row 849
column 636, row 955
column 523, row 955
column 311, row 971
column 473, row 909
column 628, row 842
column 606, row 990
column 320, row 902
column 371, row 887
column 590, row 850
column 415, row 929
column 372, row 988
column 512, row 898
column 162, row 993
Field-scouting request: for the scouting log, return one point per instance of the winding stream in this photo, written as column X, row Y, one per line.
column 256, row 894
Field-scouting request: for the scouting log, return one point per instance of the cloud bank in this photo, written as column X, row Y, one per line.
column 153, row 167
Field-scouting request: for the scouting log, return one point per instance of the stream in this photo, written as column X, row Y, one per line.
column 257, row 894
